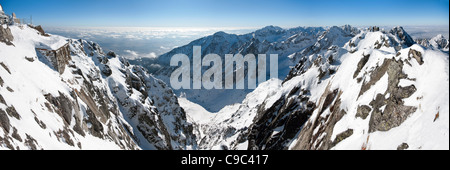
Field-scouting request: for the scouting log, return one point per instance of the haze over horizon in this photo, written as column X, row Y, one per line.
column 149, row 28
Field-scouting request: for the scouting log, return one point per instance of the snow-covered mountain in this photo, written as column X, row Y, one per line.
column 60, row 93
column 439, row 42
column 377, row 90
column 340, row 88
column 290, row 45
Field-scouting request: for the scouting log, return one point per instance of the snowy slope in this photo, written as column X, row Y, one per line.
column 380, row 92
column 59, row 93
column 268, row 40
column 41, row 109
column 230, row 125
column 343, row 88
column 374, row 90
column 222, row 130
column 147, row 103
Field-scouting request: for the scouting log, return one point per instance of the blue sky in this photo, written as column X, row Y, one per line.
column 230, row 13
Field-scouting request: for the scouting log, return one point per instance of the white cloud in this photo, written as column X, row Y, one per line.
column 140, row 42
column 139, row 33
column 130, row 54
column 150, row 55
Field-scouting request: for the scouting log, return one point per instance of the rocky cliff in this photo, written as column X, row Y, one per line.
column 60, row 93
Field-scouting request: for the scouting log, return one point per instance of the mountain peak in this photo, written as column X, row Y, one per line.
column 220, row 33
column 438, row 37
column 403, row 36
column 270, row 28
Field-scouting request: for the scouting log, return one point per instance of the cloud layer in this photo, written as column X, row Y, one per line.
column 140, row 42
column 150, row 42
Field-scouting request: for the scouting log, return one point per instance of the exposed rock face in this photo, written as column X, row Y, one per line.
column 363, row 111
column 374, row 29
column 40, row 30
column 320, row 139
column 170, row 118
column 402, row 35
column 395, row 113
column 11, row 110
column 5, row 35
column 2, row 100
column 158, row 122
column 101, row 112
column 4, row 121
column 417, row 55
column 361, row 65
column 286, row 115
column 403, row 146
column 342, row 136
column 6, row 68
column 59, row 58
column 111, row 54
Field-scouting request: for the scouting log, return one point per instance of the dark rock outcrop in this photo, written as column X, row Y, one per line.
column 374, row 29
column 4, row 121
column 5, row 67
column 2, row 100
column 361, row 64
column 63, row 106
column 404, row 37
column 363, row 111
column 11, row 110
column 340, row 137
column 416, row 55
column 316, row 135
column 40, row 30
column 6, row 35
column 111, row 54
column 395, row 112
column 59, row 58
column 403, row 146
column 106, row 71
column 287, row 116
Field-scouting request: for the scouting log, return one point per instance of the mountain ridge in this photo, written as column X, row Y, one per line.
column 303, row 112
column 82, row 98
column 343, row 88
